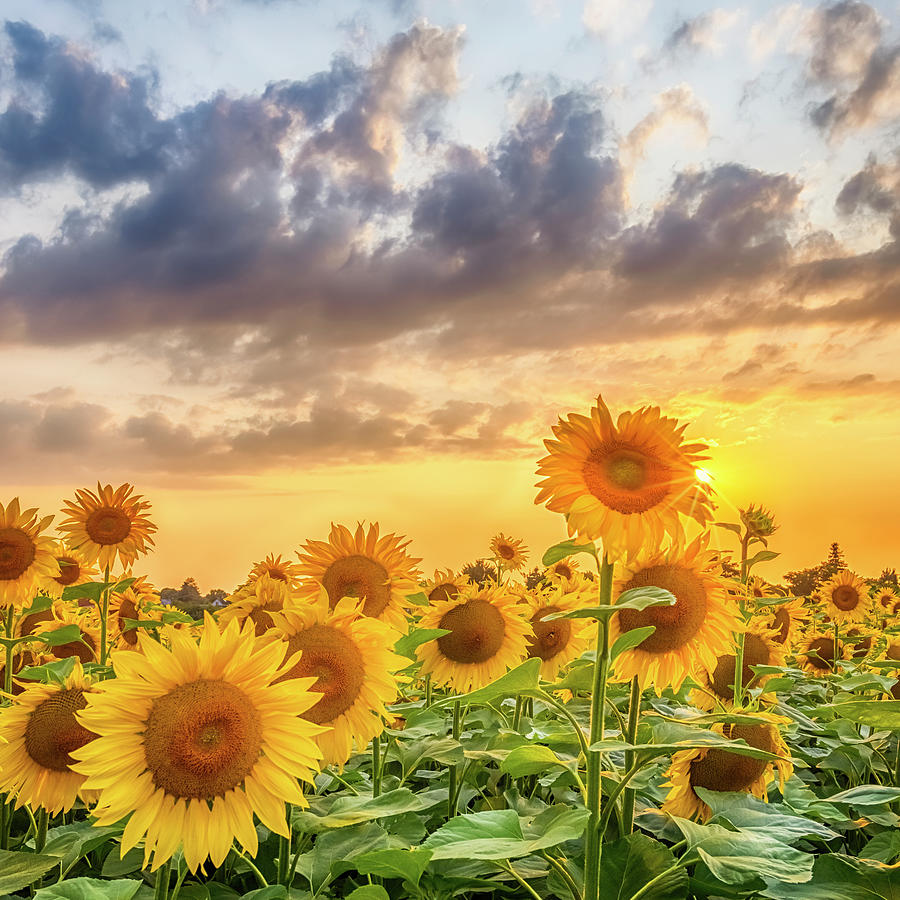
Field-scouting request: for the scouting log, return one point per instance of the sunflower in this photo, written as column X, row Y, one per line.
column 718, row 685
column 375, row 569
column 192, row 740
column 131, row 604
column 690, row 634
column 758, row 589
column 279, row 569
column 445, row 585
column 784, row 620
column 624, row 484
column 256, row 600
column 885, row 601
column 564, row 571
column 26, row 558
column 558, row 641
column 721, row 770
column 86, row 648
column 817, row 654
column 845, row 597
column 351, row 657
column 108, row 524
column 488, row 635
column 859, row 642
column 511, row 553
column 73, row 570
column 39, row 732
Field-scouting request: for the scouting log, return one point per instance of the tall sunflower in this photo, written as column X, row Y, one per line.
column 257, row 600
column 488, row 635
column 692, row 633
column 351, row 658
column 363, row 565
column 26, row 556
column 278, row 569
column 38, row 734
column 108, row 524
column 625, row 483
column 511, row 552
column 846, row 597
column 817, row 654
column 721, row 770
column 556, row 642
column 195, row 739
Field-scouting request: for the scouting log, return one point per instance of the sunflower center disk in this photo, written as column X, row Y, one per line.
column 83, row 649
column 446, row 591
column 675, row 625
column 782, row 621
column 261, row 619
column 550, row 638
column 845, row 597
column 108, row 525
column 52, row 732
column 127, row 610
column 333, row 658
column 720, row 770
column 16, row 553
column 505, row 551
column 202, row 739
column 563, row 570
column 69, row 570
column 358, row 576
column 755, row 654
column 476, row 631
column 625, row 479
column 821, row 653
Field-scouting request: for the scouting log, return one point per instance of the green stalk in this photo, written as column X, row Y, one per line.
column 376, row 766
column 593, row 838
column 40, row 838
column 7, row 671
column 284, row 854
column 739, row 670
column 454, row 769
column 517, row 719
column 563, row 873
column 634, row 714
column 161, row 891
column 427, row 691
column 104, row 616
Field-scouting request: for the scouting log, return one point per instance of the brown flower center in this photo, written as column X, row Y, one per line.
column 562, row 570
column 85, row 651
column 721, row 770
column 476, row 631
column 127, row 610
column 52, row 732
column 446, row 591
column 69, row 570
column 506, row 551
column 625, row 478
column 358, row 576
column 550, row 638
column 335, row 660
column 845, row 597
column 860, row 648
column 202, row 739
column 782, row 621
column 32, row 620
column 675, row 625
column 820, row 654
column 17, row 552
column 756, row 653
column 260, row 617
column 108, row 525
column 276, row 573
column 893, row 651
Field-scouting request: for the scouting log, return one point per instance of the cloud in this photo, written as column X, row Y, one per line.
column 702, row 32
column 615, row 19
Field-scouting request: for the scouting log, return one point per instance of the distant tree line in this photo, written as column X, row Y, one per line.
column 188, row 598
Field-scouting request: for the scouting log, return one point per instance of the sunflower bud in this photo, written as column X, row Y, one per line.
column 759, row 522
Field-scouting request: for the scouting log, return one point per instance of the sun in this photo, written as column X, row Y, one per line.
column 703, row 475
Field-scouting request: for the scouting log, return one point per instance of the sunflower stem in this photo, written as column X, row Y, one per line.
column 634, row 715
column 593, row 837
column 454, row 769
column 563, row 873
column 104, row 616
column 161, row 890
column 376, row 766
column 739, row 670
column 428, row 689
column 8, row 666
column 284, row 852
column 517, row 719
column 40, row 837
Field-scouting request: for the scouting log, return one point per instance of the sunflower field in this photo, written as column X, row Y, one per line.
column 646, row 720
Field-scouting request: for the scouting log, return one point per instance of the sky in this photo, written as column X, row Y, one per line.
column 280, row 263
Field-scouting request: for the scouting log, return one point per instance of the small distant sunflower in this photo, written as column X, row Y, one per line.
column 257, row 600
column 38, row 732
column 511, row 552
column 846, row 598
column 784, row 620
column 352, row 659
column 108, row 524
column 859, row 642
column 26, row 556
column 817, row 654
column 558, row 641
column 893, row 650
column 192, row 740
column 279, row 569
column 625, row 483
column 885, row 601
column 134, row 605
column 759, row 589
column 73, row 570
column 445, row 585
column 721, row 770
column 692, row 633
column 759, row 650
column 488, row 635
column 363, row 565
column 563, row 571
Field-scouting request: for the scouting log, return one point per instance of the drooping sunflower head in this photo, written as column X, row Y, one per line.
column 817, row 653
column 717, row 686
column 846, row 597
column 257, row 600
column 624, row 483
column 692, row 633
column 192, row 740
column 488, row 633
column 556, row 642
column 784, row 620
column 361, row 565
column 511, row 553
column 759, row 522
column 27, row 563
column 722, row 770
column 38, row 734
column 108, row 524
column 278, row 569
column 350, row 657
